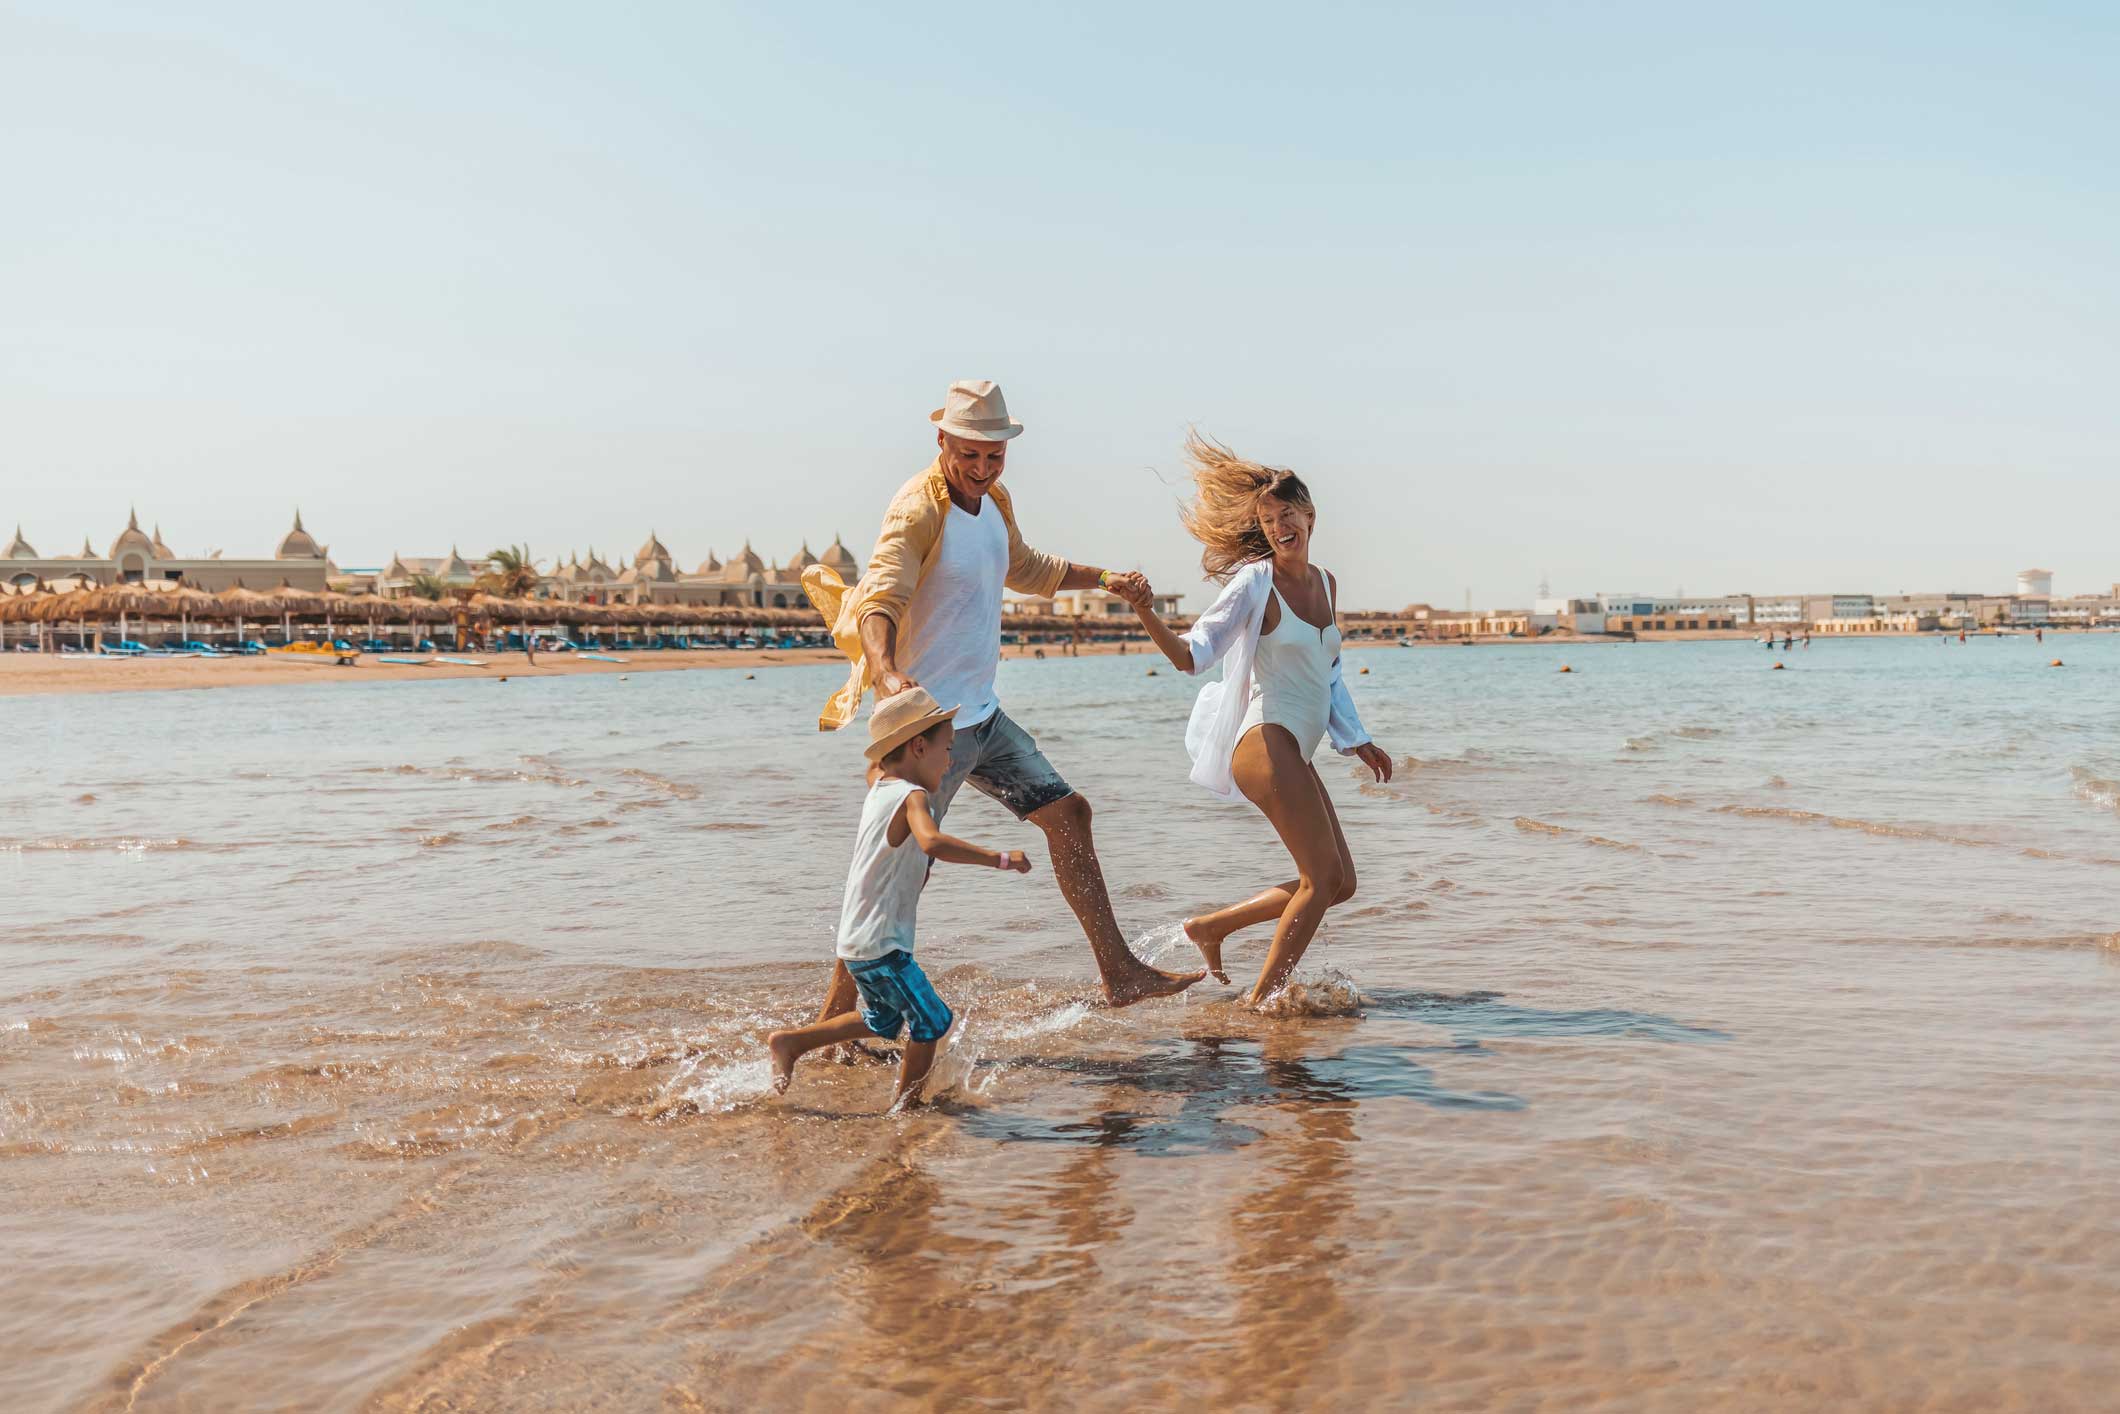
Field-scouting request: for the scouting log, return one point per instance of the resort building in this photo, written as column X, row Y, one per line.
column 2035, row 584
column 747, row 580
column 1091, row 604
column 452, row 570
column 137, row 557
column 1674, row 621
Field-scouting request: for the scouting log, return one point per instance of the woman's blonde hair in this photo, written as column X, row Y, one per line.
column 1224, row 514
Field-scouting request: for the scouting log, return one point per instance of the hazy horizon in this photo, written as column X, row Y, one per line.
column 1644, row 299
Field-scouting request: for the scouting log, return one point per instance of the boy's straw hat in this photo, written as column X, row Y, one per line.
column 974, row 409
column 899, row 719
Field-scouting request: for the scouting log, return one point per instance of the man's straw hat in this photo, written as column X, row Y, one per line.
column 899, row 719
column 974, row 409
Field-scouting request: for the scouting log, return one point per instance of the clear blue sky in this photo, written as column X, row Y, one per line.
column 1768, row 298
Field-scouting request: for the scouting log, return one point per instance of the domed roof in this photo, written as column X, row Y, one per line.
column 453, row 567
column 88, row 551
column 651, row 549
column 802, row 561
column 842, row 559
column 741, row 567
column 711, row 564
column 297, row 544
column 162, row 551
column 132, row 538
column 18, row 548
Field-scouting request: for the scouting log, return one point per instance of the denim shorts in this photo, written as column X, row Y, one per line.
column 895, row 991
column 1001, row 760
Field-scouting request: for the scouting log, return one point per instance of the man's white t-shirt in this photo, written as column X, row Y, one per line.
column 956, row 614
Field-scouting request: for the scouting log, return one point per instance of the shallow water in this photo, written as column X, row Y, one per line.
column 1702, row 1035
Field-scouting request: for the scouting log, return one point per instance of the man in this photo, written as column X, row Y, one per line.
column 927, row 613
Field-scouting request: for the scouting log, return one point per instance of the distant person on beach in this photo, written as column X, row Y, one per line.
column 1253, row 733
column 927, row 613
column 909, row 741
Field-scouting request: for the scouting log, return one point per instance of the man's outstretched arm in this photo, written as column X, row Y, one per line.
column 879, row 646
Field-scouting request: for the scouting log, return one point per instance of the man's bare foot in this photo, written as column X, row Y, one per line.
column 1210, row 950
column 1147, row 982
column 782, row 1045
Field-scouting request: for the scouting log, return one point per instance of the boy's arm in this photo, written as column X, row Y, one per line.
column 948, row 848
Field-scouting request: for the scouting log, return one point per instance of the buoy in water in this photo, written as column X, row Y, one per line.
column 750, row 677
column 1779, row 666
column 1365, row 672
column 1566, row 669
column 504, row 679
column 1152, row 671
column 2055, row 664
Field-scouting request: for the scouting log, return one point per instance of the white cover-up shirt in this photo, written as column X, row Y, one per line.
column 1229, row 630
column 956, row 613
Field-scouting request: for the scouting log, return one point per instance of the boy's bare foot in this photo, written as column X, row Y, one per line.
column 782, row 1045
column 1210, row 950
column 1145, row 982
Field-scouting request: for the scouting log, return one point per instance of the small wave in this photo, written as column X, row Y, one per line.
column 1697, row 733
column 445, row 838
column 1842, row 822
column 1639, row 743
column 2095, row 790
column 124, row 844
column 1539, row 827
column 1676, row 802
column 710, row 826
column 676, row 789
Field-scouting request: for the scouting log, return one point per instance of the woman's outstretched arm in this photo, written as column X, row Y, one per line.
column 1133, row 588
column 1213, row 634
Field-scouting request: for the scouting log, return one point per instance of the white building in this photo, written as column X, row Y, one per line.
column 2035, row 584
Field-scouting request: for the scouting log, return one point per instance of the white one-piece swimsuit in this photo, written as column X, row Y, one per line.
column 1291, row 678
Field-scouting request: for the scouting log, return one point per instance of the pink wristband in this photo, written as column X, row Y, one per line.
column 1001, row 860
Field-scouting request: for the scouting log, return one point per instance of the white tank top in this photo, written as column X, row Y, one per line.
column 1291, row 676
column 883, row 883
column 956, row 614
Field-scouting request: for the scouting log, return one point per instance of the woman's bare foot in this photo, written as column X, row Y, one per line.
column 782, row 1045
column 1210, row 949
column 1146, row 982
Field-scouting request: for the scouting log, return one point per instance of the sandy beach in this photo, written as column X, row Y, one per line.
column 23, row 674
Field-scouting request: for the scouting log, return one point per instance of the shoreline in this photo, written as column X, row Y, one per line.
column 51, row 674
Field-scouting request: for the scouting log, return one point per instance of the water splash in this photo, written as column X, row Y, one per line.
column 717, row 1089
column 1326, row 992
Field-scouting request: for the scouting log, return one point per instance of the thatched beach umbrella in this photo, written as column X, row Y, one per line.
column 240, row 604
column 75, row 606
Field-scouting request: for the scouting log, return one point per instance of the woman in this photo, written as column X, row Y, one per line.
column 1254, row 731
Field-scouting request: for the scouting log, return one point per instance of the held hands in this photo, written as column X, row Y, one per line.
column 892, row 683
column 1132, row 587
column 1376, row 759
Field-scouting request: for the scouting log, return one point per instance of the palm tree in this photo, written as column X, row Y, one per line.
column 512, row 575
column 427, row 586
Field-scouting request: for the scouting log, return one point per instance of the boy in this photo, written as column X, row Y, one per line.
column 909, row 741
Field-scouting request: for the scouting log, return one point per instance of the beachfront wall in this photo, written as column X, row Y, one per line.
column 1672, row 623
